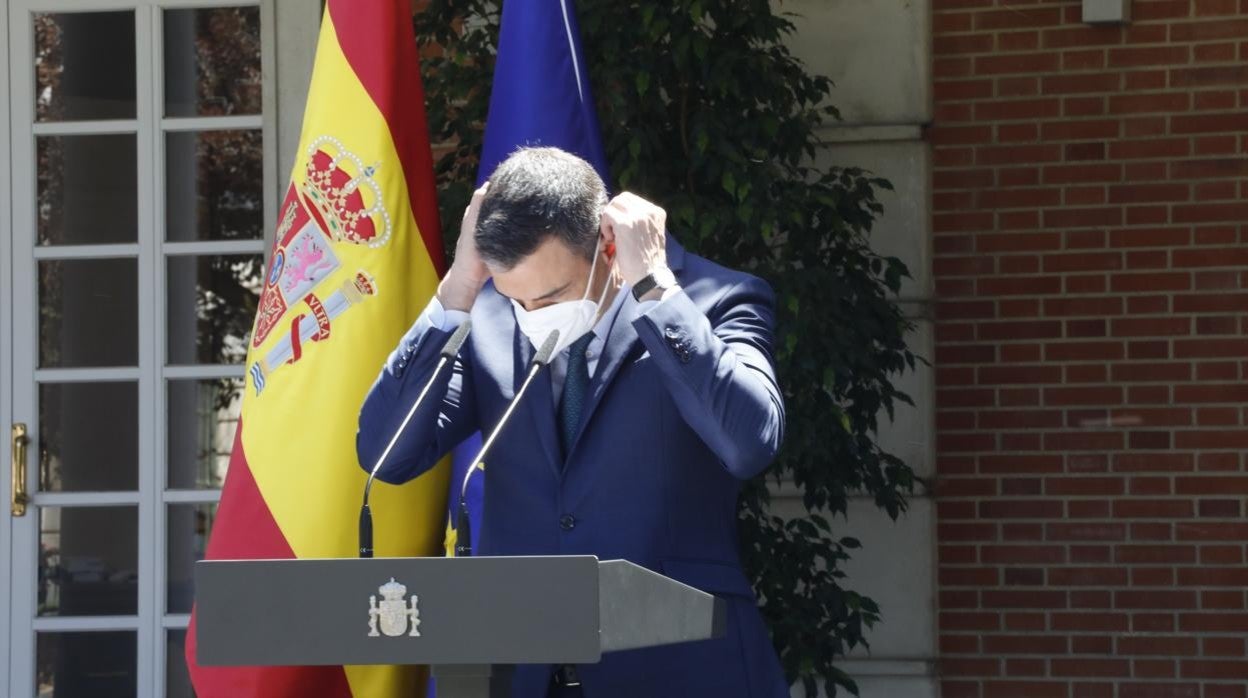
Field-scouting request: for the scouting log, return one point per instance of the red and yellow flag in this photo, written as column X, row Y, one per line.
column 356, row 256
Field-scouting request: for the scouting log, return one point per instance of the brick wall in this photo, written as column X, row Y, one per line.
column 1090, row 218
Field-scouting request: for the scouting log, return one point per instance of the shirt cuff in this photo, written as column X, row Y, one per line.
column 439, row 318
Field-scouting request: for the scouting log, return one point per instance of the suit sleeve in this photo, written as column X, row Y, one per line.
column 720, row 371
column 447, row 416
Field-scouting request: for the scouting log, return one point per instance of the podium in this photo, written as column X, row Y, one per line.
column 471, row 619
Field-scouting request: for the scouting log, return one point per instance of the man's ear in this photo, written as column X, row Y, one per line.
column 608, row 236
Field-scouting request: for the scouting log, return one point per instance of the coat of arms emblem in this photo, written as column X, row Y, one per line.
column 393, row 613
column 339, row 205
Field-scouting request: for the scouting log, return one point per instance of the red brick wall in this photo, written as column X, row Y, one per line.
column 1091, row 256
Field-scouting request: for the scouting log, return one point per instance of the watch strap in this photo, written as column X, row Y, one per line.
column 660, row 278
column 645, row 285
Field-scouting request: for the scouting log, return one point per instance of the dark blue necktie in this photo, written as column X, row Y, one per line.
column 575, row 385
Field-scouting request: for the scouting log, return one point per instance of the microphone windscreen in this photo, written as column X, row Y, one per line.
column 453, row 345
column 548, row 347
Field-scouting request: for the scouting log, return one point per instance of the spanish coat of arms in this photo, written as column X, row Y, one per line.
column 393, row 613
column 339, row 203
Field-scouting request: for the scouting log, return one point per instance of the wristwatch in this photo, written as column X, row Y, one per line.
column 659, row 278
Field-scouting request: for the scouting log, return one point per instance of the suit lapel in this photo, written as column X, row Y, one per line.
column 621, row 338
column 539, row 399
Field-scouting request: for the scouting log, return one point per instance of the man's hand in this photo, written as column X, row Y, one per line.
column 468, row 273
column 637, row 227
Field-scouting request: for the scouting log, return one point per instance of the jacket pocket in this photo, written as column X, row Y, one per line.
column 712, row 577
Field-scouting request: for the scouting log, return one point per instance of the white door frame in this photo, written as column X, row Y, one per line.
column 6, row 342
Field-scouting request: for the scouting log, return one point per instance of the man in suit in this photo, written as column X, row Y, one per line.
column 661, row 398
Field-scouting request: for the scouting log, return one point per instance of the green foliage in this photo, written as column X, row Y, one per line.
column 705, row 111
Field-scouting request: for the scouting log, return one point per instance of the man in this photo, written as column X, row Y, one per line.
column 661, row 397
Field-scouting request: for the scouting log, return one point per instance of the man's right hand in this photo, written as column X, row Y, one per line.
column 459, row 288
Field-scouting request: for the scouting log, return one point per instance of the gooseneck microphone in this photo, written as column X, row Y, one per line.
column 449, row 350
column 463, row 532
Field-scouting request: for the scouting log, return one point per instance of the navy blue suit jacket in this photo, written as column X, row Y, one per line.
column 682, row 406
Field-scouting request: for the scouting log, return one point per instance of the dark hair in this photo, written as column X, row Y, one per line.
column 534, row 194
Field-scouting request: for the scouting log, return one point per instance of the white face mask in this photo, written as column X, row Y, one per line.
column 572, row 318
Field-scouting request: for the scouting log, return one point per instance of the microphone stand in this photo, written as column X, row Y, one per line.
column 449, row 350
column 463, row 537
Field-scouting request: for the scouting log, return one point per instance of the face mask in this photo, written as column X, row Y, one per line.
column 572, row 318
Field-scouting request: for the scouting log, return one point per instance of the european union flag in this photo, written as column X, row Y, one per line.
column 541, row 97
column 541, row 92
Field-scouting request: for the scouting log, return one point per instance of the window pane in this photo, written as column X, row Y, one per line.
column 84, row 66
column 88, row 312
column 212, row 61
column 212, row 303
column 87, row 189
column 86, row 664
column 88, row 561
column 202, row 419
column 177, row 680
column 88, row 436
column 189, row 526
column 214, row 186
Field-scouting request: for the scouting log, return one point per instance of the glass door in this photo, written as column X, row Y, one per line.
column 142, row 171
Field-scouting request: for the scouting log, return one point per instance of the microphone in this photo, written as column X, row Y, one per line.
column 449, row 350
column 463, row 532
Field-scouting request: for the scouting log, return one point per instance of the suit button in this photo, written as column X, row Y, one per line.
column 567, row 522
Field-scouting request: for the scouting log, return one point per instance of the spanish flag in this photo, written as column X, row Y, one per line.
column 356, row 256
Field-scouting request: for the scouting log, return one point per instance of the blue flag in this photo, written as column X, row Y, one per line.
column 541, row 94
column 541, row 97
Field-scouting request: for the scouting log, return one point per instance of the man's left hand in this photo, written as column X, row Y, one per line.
column 637, row 228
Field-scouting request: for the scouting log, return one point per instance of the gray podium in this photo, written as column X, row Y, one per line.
column 471, row 619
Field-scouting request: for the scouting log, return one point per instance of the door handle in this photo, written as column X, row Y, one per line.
column 20, row 499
